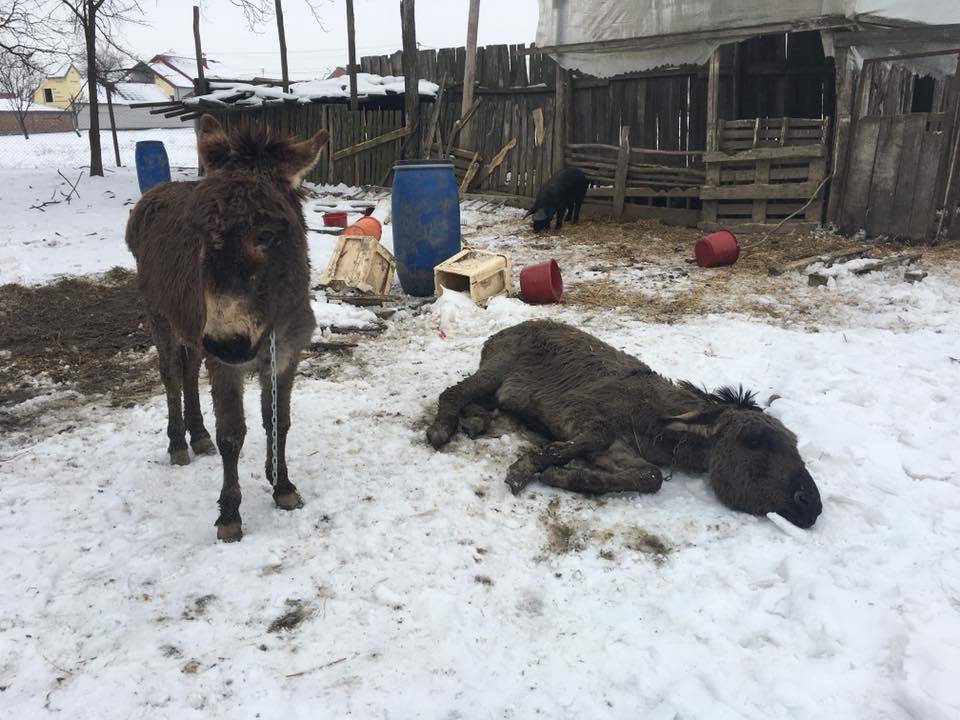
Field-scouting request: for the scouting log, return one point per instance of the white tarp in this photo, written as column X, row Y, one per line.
column 563, row 22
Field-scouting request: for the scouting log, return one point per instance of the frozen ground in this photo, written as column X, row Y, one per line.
column 413, row 585
column 69, row 151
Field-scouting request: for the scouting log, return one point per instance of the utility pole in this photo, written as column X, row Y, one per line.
column 469, row 71
column 201, row 85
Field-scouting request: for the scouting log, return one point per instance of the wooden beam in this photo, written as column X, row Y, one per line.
column 370, row 144
column 900, row 36
column 791, row 152
column 562, row 104
column 352, row 56
column 761, row 191
column 458, row 125
column 499, row 157
column 469, row 68
column 411, row 99
column 604, row 192
column 713, row 99
column 471, row 171
column 620, row 177
column 435, row 117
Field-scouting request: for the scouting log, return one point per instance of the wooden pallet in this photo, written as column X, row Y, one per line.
column 765, row 170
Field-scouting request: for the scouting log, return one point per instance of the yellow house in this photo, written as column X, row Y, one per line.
column 59, row 88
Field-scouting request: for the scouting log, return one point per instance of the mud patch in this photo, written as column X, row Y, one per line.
column 199, row 607
column 646, row 542
column 297, row 612
column 562, row 534
column 88, row 335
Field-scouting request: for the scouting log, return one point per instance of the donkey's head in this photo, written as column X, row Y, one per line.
column 255, row 265
column 753, row 459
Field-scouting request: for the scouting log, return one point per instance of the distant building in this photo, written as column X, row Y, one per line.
column 124, row 95
column 175, row 74
column 339, row 72
column 60, row 87
column 39, row 118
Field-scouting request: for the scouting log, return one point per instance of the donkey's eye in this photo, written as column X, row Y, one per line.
column 265, row 238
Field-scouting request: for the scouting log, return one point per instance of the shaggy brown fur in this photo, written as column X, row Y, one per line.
column 221, row 263
column 613, row 421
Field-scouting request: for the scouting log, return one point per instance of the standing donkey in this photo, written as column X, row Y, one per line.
column 222, row 264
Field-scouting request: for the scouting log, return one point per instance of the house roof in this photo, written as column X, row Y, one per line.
column 180, row 70
column 62, row 70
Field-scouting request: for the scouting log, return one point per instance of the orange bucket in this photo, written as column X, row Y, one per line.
column 367, row 226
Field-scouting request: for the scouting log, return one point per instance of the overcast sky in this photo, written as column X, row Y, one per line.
column 311, row 49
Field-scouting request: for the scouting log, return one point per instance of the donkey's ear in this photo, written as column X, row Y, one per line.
column 703, row 423
column 299, row 158
column 213, row 145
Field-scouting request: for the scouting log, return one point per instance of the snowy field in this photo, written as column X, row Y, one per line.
column 414, row 585
column 69, row 151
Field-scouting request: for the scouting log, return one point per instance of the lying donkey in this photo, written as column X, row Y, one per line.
column 613, row 420
column 222, row 266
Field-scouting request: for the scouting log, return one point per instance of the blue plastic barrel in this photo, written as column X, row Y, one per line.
column 426, row 221
column 152, row 164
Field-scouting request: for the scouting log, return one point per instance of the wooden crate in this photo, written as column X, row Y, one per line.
column 764, row 171
column 361, row 263
column 482, row 273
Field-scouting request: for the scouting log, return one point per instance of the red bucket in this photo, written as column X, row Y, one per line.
column 541, row 283
column 335, row 219
column 715, row 249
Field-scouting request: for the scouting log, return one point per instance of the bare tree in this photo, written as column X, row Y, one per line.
column 257, row 12
column 23, row 35
column 19, row 80
column 96, row 21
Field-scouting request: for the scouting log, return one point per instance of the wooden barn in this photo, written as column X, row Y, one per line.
column 748, row 115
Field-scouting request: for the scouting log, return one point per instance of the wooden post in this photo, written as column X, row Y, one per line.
column 411, row 97
column 113, row 123
column 841, row 129
column 561, row 117
column 283, row 46
column 201, row 84
column 948, row 160
column 469, row 69
column 352, row 49
column 620, row 178
column 713, row 97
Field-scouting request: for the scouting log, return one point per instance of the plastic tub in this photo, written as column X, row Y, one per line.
column 541, row 283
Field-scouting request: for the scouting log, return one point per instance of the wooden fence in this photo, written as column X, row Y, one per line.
column 765, row 171
column 893, row 168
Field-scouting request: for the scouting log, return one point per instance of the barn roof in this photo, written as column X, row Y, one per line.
column 610, row 37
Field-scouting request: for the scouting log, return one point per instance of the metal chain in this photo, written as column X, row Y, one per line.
column 273, row 400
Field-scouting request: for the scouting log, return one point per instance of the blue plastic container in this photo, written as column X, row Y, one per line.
column 426, row 221
column 152, row 164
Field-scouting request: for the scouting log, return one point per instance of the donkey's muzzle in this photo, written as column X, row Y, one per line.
column 234, row 349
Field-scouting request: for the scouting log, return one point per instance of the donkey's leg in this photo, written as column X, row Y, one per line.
column 199, row 437
column 592, row 439
column 171, row 373
column 452, row 400
column 585, row 477
column 226, row 383
column 285, row 494
column 476, row 419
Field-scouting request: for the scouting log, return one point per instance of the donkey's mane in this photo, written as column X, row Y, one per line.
column 738, row 397
column 254, row 144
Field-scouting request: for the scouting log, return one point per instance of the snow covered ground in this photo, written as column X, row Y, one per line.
column 414, row 585
column 69, row 151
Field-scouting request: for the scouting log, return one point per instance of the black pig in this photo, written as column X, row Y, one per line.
column 562, row 193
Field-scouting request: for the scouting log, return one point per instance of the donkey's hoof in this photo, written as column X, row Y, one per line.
column 229, row 532
column 521, row 474
column 179, row 457
column 438, row 435
column 203, row 446
column 288, row 501
column 474, row 426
